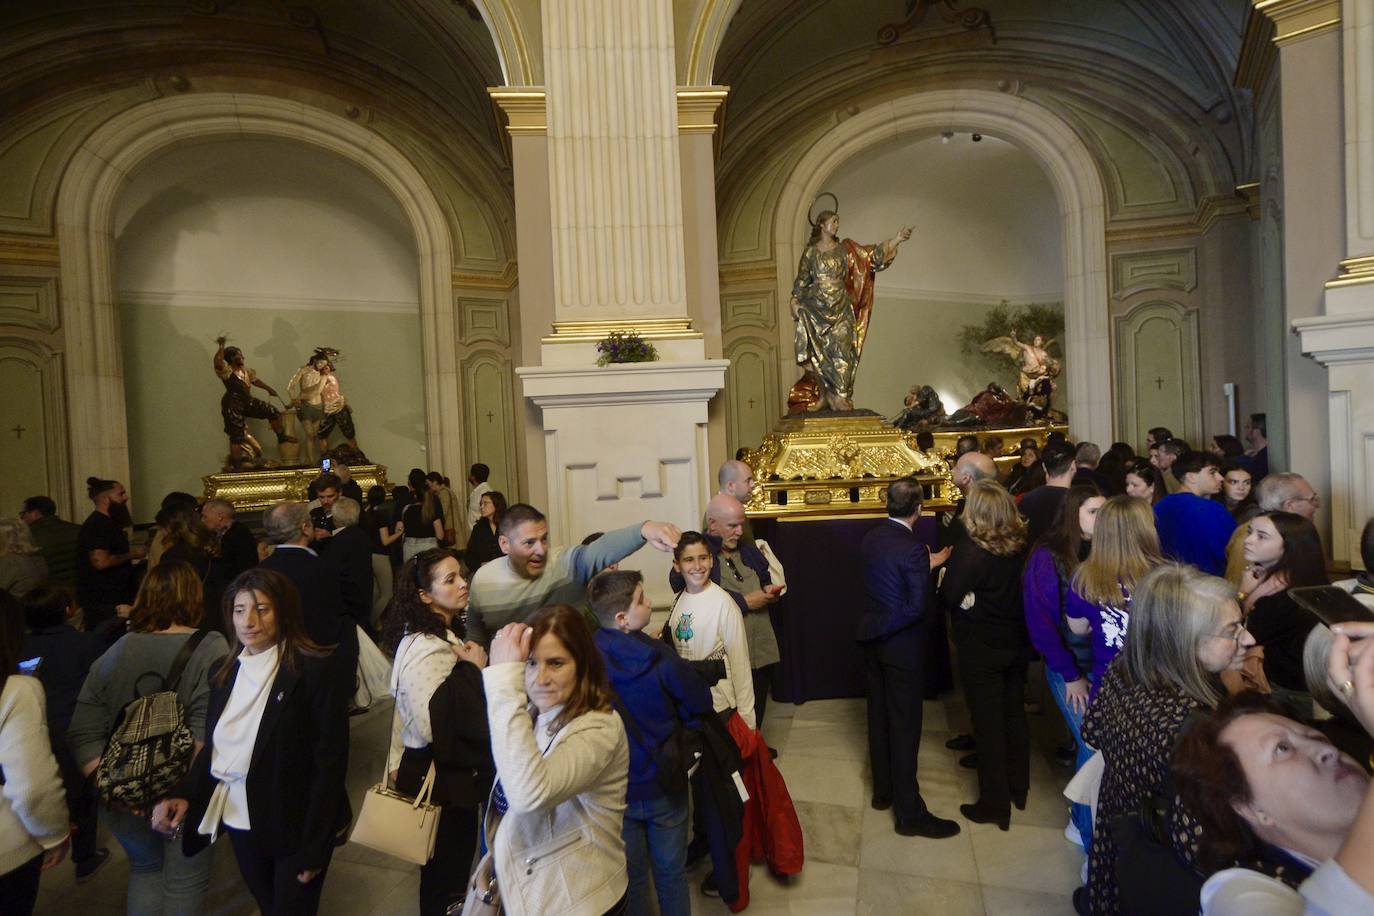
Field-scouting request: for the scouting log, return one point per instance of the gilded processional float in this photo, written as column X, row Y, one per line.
column 826, row 458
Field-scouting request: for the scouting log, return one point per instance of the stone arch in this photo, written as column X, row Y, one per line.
column 97, row 426
column 708, row 30
column 1078, row 186
column 503, row 21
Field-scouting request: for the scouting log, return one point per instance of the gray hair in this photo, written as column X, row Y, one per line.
column 283, row 522
column 1088, row 454
column 345, row 512
column 219, row 505
column 15, row 538
column 1276, row 489
column 1315, row 652
column 1172, row 608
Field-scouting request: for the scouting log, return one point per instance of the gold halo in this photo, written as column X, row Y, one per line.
column 809, row 217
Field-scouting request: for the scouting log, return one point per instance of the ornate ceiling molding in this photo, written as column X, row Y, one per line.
column 1295, row 20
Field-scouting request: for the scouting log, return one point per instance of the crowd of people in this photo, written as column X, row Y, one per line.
column 1218, row 732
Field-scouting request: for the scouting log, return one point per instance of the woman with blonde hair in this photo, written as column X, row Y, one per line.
column 1186, row 630
column 163, row 622
column 22, row 567
column 1125, row 548
column 982, row 592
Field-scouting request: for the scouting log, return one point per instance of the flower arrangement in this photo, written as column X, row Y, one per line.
column 625, row 347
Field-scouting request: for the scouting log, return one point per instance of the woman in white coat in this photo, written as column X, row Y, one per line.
column 562, row 761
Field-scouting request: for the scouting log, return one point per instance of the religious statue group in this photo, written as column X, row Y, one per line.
column 831, row 303
column 317, row 404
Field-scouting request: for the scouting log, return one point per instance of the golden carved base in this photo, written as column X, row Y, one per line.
column 260, row 489
column 841, row 464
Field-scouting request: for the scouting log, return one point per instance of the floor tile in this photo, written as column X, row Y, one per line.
column 884, row 849
column 830, row 832
column 823, row 779
column 1026, row 858
column 1003, row 901
column 883, row 893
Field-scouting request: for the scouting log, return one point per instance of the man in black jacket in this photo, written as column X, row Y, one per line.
column 288, row 526
column 56, row 537
column 348, row 557
column 238, row 548
column 893, row 628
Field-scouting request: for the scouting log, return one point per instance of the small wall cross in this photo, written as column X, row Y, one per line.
column 1159, row 383
column 18, row 431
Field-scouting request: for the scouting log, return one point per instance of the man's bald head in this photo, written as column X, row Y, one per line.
column 972, row 467
column 736, row 478
column 725, row 519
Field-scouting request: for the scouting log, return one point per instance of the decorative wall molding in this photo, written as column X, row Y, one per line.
column 504, row 280
column 750, row 389
column 1152, row 339
column 751, row 309
column 28, row 297
column 1295, row 20
column 1169, row 268
column 215, row 300
column 39, row 252
column 49, row 366
column 482, row 319
column 489, row 421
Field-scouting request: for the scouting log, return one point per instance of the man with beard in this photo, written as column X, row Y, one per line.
column 105, row 575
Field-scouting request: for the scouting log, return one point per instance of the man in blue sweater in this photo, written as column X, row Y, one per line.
column 1193, row 527
column 657, row 691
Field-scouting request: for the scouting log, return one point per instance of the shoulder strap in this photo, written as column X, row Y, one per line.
column 183, row 657
column 631, row 725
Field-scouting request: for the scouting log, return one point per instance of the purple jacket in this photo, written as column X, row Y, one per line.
column 1040, row 601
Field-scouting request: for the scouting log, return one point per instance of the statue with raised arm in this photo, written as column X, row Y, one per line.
column 238, row 404
column 832, row 298
column 1033, row 360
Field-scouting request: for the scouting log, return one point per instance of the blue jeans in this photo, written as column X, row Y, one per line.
column 655, row 833
column 1081, row 815
column 162, row 881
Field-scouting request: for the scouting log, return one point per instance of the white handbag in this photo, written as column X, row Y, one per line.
column 775, row 570
column 396, row 824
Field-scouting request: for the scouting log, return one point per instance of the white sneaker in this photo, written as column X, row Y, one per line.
column 1072, row 835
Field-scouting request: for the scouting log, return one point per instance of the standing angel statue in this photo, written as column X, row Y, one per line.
column 1033, row 360
column 832, row 299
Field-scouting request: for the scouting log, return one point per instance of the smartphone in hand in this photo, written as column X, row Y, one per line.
column 1331, row 604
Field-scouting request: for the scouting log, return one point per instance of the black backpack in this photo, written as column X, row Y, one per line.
column 151, row 748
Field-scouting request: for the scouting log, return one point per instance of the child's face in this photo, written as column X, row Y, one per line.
column 636, row 617
column 694, row 564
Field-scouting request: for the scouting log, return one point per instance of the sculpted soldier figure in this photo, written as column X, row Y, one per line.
column 832, row 298
column 238, row 404
column 320, row 402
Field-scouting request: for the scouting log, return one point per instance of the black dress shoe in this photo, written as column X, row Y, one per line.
column 980, row 815
column 960, row 743
column 1019, row 800
column 881, row 804
column 969, row 761
column 929, row 826
column 1080, row 902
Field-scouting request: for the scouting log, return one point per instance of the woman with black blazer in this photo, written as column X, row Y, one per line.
column 276, row 752
column 982, row 592
column 483, row 543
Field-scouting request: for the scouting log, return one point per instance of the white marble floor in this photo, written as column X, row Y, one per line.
column 855, row 862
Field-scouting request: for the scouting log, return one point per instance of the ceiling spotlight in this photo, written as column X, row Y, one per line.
column 946, row 136
column 977, row 138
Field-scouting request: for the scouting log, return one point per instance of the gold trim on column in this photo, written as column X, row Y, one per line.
column 22, row 249
column 524, row 108
column 1251, row 192
column 504, row 280
column 697, row 107
column 1257, row 53
column 648, row 328
column 1354, row 272
column 1296, row 19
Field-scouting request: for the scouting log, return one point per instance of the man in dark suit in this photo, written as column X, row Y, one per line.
column 348, row 557
column 893, row 629
column 56, row 537
column 237, row 546
column 288, row 526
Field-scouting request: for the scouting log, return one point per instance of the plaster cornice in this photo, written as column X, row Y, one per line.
column 1258, row 53
column 1295, row 20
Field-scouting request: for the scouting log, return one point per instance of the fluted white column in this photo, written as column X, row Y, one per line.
column 614, row 175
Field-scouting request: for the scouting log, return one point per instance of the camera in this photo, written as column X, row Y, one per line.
column 326, row 465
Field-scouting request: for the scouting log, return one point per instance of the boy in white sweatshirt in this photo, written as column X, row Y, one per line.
column 706, row 623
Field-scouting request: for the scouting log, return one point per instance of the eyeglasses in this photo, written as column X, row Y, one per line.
column 730, row 562
column 1238, row 630
column 1314, row 499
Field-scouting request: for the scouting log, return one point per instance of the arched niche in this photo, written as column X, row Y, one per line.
column 33, row 440
column 1078, row 187
column 1159, row 380
column 97, row 425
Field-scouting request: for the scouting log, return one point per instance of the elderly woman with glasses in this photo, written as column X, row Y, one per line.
column 441, row 715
